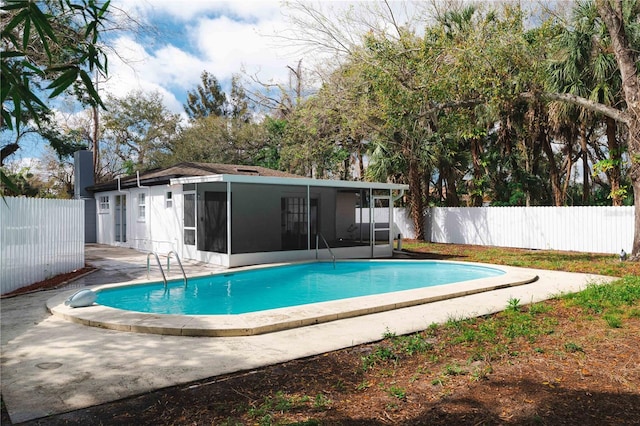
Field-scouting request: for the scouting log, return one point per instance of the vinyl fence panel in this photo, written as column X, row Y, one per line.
column 584, row 229
column 39, row 238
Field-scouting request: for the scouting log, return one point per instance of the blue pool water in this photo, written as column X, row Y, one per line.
column 292, row 285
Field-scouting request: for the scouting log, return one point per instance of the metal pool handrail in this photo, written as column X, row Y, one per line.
column 319, row 235
column 164, row 278
column 179, row 263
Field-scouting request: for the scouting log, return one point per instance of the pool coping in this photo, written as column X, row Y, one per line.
column 282, row 318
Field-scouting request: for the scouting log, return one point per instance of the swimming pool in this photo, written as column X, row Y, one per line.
column 287, row 317
column 286, row 286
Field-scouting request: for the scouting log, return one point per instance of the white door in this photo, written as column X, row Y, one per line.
column 120, row 219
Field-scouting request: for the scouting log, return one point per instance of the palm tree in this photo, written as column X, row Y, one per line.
column 582, row 64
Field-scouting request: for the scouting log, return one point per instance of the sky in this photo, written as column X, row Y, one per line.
column 181, row 39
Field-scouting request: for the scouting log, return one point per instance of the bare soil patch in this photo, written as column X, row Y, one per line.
column 52, row 283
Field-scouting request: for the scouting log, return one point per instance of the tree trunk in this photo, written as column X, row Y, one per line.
column 416, row 202
column 451, row 198
column 553, row 170
column 584, row 156
column 7, row 151
column 634, row 173
column 360, row 164
column 476, row 198
column 614, row 173
column 95, row 142
column 567, row 179
column 635, row 250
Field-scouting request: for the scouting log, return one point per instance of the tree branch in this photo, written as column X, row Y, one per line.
column 584, row 103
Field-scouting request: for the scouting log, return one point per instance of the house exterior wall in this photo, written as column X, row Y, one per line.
column 83, row 178
column 160, row 229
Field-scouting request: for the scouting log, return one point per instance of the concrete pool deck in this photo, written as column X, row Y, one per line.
column 51, row 365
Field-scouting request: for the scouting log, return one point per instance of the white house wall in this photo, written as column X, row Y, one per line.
column 159, row 231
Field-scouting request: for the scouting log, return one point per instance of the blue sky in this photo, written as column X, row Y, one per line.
column 187, row 38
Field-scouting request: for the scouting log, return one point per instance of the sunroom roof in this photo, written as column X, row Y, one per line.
column 298, row 181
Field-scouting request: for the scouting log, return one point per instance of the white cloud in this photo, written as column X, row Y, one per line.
column 221, row 37
column 167, row 70
column 188, row 10
column 230, row 46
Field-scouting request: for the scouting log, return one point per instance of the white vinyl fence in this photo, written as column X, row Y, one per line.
column 582, row 229
column 39, row 238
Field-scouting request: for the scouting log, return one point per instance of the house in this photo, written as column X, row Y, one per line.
column 235, row 215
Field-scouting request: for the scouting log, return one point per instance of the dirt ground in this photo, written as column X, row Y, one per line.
column 581, row 370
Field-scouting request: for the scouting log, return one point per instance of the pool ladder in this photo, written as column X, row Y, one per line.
column 318, row 236
column 164, row 277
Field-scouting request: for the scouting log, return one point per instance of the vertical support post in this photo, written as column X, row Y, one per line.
column 371, row 226
column 229, row 222
column 309, row 222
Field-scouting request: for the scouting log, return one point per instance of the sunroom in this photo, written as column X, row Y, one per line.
column 239, row 215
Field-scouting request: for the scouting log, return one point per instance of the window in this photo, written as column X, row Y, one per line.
column 142, row 207
column 103, row 201
column 168, row 199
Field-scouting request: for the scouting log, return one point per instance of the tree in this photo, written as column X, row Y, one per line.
column 312, row 147
column 219, row 140
column 140, row 129
column 239, row 103
column 47, row 46
column 582, row 64
column 207, row 99
column 621, row 19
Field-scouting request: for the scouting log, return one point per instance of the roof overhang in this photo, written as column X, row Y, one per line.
column 268, row 180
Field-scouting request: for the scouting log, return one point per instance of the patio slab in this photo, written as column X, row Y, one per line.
column 51, row 365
